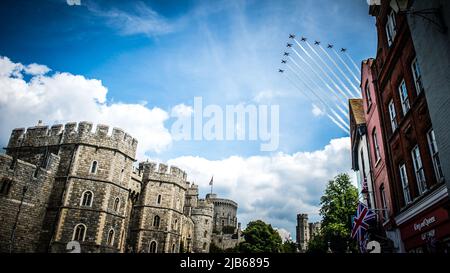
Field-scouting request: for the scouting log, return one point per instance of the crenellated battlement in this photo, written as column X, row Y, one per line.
column 203, row 208
column 163, row 173
column 74, row 133
column 220, row 201
column 23, row 170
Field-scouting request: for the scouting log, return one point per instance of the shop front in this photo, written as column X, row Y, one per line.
column 428, row 232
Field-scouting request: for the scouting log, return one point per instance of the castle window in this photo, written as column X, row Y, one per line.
column 94, row 167
column 176, row 224
column 110, row 239
column 173, row 248
column 116, row 204
column 158, row 200
column 156, row 221
column 204, row 246
column 206, row 221
column 153, row 247
column 79, row 233
column 121, row 175
column 87, row 198
column 5, row 186
column 205, row 233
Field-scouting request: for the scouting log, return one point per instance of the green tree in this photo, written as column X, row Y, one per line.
column 289, row 247
column 260, row 238
column 338, row 205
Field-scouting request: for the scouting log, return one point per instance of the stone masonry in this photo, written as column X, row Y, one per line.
column 74, row 182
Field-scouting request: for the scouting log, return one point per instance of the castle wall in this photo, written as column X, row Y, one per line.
column 170, row 185
column 25, row 192
column 202, row 215
column 52, row 207
column 78, row 145
column 225, row 211
column 109, row 182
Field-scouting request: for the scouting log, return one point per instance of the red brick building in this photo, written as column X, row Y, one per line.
column 381, row 188
column 417, row 186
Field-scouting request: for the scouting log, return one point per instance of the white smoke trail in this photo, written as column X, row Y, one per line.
column 353, row 62
column 320, row 68
column 331, row 70
column 320, row 88
column 341, row 71
column 336, row 122
column 345, row 64
column 319, row 76
column 318, row 97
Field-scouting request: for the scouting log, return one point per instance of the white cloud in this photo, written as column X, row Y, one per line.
column 63, row 97
column 73, row 2
column 36, row 69
column 284, row 234
column 272, row 188
column 317, row 112
column 182, row 110
column 269, row 95
column 142, row 20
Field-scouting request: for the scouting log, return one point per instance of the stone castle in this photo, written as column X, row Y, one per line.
column 67, row 183
column 305, row 231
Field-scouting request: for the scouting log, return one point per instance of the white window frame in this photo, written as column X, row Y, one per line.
column 376, row 146
column 92, row 166
column 75, row 231
column 405, row 184
column 418, row 170
column 391, row 28
column 393, row 115
column 384, row 202
column 417, row 74
column 82, row 199
column 368, row 96
column 434, row 152
column 110, row 242
column 403, row 91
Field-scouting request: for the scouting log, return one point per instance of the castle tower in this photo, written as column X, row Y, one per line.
column 225, row 211
column 91, row 196
column 24, row 192
column 158, row 220
column 202, row 215
column 302, row 231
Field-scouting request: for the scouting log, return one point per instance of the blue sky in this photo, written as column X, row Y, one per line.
column 160, row 54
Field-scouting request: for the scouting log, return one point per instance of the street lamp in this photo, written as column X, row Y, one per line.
column 404, row 7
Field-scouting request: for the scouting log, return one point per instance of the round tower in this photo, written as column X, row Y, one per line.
column 225, row 211
column 202, row 215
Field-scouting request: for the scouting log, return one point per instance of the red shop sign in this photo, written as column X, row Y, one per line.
column 422, row 223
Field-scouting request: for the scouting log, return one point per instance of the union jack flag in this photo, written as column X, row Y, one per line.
column 364, row 217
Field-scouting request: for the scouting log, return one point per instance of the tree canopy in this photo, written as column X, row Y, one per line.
column 338, row 205
column 260, row 238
